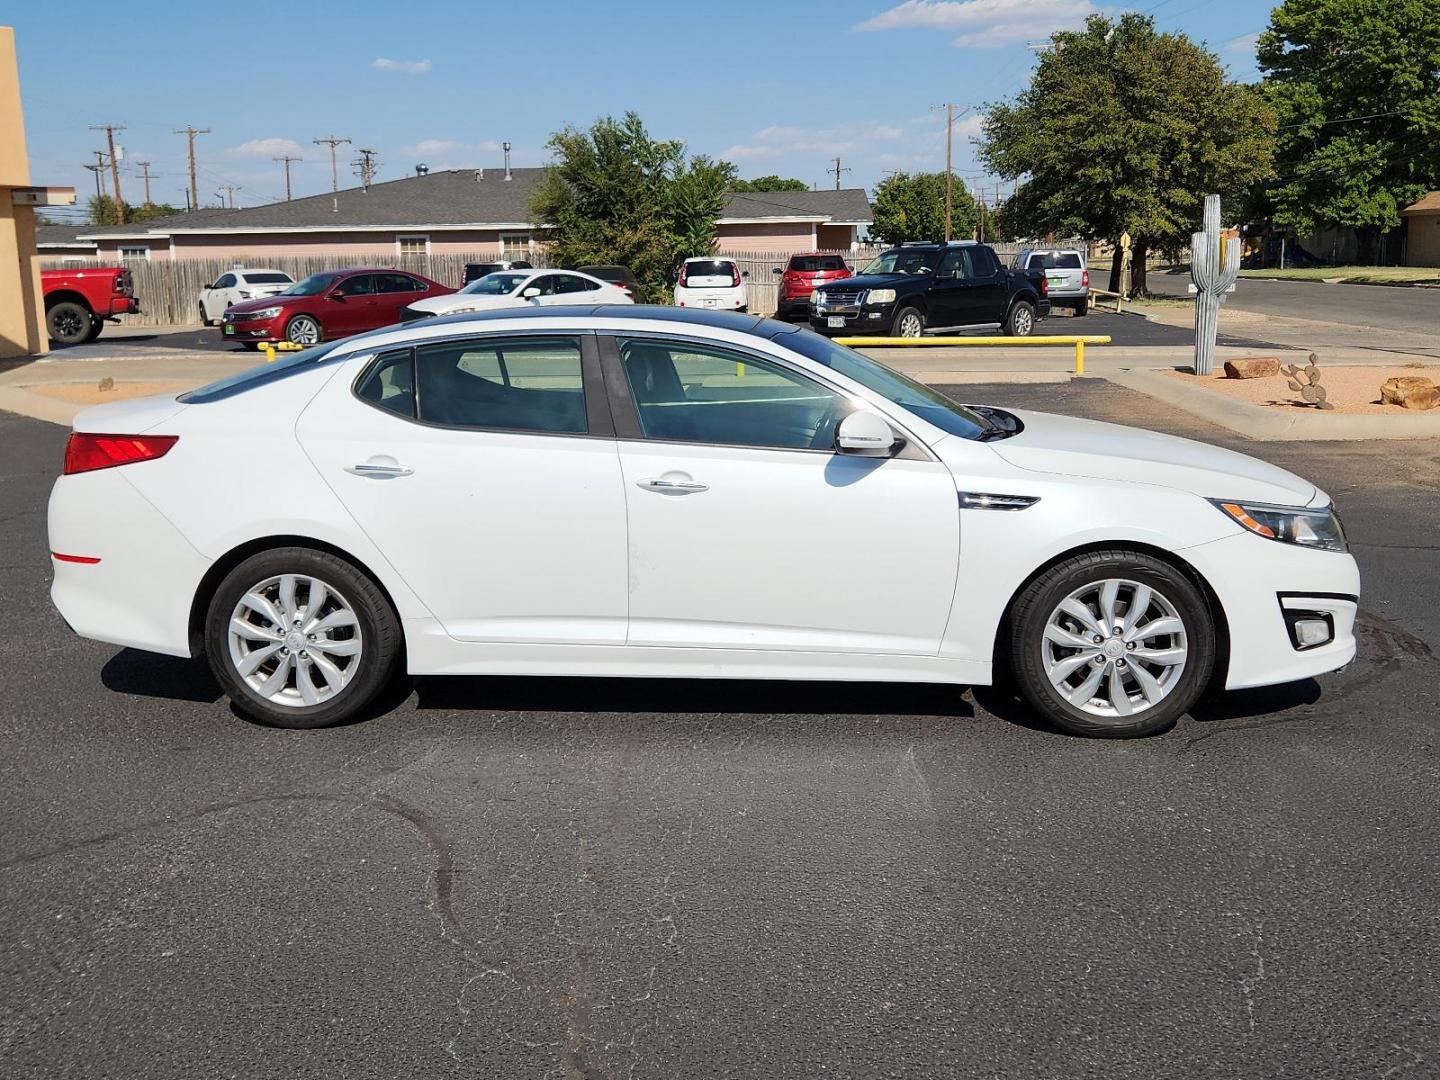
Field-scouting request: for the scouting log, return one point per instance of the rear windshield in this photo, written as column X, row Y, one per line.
column 710, row 268
column 811, row 264
column 267, row 279
column 260, row 375
column 1054, row 260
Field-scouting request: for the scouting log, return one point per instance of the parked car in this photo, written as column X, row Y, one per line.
column 708, row 282
column 619, row 276
column 236, row 286
column 917, row 287
column 331, row 305
column 518, row 288
column 556, row 491
column 79, row 302
column 1065, row 270
column 801, row 276
column 477, row 270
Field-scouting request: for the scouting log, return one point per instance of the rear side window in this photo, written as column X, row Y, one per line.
column 1055, row 260
column 812, row 264
column 506, row 384
column 390, row 383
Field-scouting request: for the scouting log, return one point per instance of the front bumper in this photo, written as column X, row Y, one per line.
column 253, row 330
column 854, row 319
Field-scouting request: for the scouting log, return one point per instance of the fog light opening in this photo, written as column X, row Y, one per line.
column 1309, row 629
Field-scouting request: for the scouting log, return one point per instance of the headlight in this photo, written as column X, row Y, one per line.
column 815, row 296
column 880, row 296
column 266, row 313
column 1314, row 528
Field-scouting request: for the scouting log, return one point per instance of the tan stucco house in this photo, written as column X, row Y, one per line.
column 1422, row 231
column 458, row 211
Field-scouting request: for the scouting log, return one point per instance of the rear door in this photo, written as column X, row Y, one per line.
column 351, row 307
column 393, row 292
column 983, row 289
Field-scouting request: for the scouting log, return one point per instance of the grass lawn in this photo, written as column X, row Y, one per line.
column 1354, row 274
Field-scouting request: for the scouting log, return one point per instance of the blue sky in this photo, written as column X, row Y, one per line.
column 775, row 87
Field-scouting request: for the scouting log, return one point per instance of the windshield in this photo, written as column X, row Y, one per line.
column 313, row 285
column 495, row 284
column 930, row 405
column 900, row 261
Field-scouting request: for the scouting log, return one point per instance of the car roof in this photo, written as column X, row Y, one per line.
column 711, row 258
column 640, row 313
column 257, row 270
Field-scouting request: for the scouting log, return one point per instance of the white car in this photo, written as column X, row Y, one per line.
column 667, row 493
column 237, row 286
column 518, row 288
column 716, row 283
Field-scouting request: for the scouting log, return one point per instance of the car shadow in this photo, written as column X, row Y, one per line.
column 1262, row 701
column 147, row 674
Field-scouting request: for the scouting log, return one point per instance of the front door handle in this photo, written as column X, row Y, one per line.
column 378, row 471
column 666, row 486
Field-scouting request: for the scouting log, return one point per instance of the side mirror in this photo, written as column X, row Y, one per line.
column 774, row 270
column 744, row 274
column 339, row 297
column 531, row 293
column 867, row 434
column 207, row 288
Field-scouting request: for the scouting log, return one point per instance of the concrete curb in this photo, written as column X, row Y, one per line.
column 1257, row 422
column 19, row 399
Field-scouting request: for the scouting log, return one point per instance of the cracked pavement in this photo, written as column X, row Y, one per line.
column 619, row 878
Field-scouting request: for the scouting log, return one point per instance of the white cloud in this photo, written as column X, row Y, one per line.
column 409, row 67
column 773, row 142
column 985, row 22
column 266, row 148
column 1245, row 43
column 449, row 147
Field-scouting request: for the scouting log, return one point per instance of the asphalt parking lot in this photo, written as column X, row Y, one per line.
column 507, row 877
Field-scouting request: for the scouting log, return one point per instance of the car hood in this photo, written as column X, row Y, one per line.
column 247, row 306
column 1067, row 446
column 872, row 281
column 453, row 302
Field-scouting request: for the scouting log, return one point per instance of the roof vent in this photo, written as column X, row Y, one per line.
column 507, row 160
column 422, row 169
column 335, row 204
column 479, row 175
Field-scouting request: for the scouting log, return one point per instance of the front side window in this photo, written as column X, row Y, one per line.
column 511, row 384
column 359, row 285
column 955, row 264
column 901, row 261
column 697, row 393
column 224, row 281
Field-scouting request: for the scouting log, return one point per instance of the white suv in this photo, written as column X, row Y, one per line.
column 715, row 283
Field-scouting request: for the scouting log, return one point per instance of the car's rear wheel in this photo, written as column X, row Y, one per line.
column 303, row 330
column 1021, row 322
column 68, row 322
column 908, row 323
column 1113, row 643
column 97, row 324
column 300, row 638
column 1082, row 308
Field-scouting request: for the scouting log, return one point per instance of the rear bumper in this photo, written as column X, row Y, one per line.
column 122, row 305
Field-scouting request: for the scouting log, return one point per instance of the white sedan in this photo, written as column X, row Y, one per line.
column 237, row 286
column 518, row 288
column 652, row 492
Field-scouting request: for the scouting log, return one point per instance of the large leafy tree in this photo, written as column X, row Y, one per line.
column 1125, row 129
column 770, row 183
column 911, row 206
column 102, row 211
column 614, row 194
column 1356, row 84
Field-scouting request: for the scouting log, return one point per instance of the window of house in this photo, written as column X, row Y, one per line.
column 135, row 254
column 514, row 384
column 413, row 247
column 514, row 245
column 695, row 393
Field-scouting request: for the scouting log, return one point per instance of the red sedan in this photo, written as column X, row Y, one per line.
column 334, row 304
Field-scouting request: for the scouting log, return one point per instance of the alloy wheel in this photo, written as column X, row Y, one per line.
column 294, row 640
column 70, row 324
column 1024, row 322
column 910, row 325
column 304, row 331
column 1114, row 648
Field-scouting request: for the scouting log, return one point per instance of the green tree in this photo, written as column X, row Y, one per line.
column 1357, row 89
column 911, row 206
column 150, row 211
column 614, row 194
column 102, row 211
column 770, row 183
column 1123, row 129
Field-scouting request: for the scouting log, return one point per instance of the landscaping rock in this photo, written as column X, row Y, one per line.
column 1410, row 392
column 1252, row 367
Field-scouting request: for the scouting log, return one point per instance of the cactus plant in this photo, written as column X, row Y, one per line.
column 1306, row 382
column 1213, row 276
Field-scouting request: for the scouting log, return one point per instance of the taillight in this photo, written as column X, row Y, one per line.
column 683, row 273
column 1084, row 279
column 735, row 269
column 122, row 283
column 86, row 453
column 1044, row 286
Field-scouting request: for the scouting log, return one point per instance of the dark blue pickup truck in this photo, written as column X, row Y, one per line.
column 918, row 287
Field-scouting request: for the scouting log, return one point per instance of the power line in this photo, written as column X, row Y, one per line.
column 332, row 141
column 1342, row 120
column 190, row 133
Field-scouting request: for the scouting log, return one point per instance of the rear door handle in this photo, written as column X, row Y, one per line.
column 672, row 487
column 379, row 472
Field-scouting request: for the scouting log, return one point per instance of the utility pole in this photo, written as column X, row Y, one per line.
column 332, row 142
column 97, row 169
column 190, row 133
column 287, row 159
column 110, row 130
column 838, row 171
column 229, row 190
column 949, row 108
column 144, row 167
column 188, row 204
column 367, row 165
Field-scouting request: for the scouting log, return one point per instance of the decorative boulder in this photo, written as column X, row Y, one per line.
column 1252, row 367
column 1410, row 392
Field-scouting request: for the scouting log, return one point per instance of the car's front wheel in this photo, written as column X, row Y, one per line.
column 1113, row 643
column 908, row 323
column 300, row 638
column 303, row 330
column 205, row 319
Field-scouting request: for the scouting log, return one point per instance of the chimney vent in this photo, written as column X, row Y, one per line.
column 507, row 161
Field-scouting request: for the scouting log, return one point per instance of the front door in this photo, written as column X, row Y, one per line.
column 748, row 530
column 485, row 471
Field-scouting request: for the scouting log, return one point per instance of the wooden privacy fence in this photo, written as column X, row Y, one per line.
column 169, row 289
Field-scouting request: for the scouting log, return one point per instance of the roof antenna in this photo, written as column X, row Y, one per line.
column 507, row 160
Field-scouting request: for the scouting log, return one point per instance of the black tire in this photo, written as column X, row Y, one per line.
column 1043, row 596
column 901, row 322
column 68, row 322
column 96, row 326
column 378, row 626
column 204, row 319
column 1021, row 320
column 299, row 320
column 1082, row 309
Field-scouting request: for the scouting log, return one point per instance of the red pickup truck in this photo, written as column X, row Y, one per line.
column 79, row 302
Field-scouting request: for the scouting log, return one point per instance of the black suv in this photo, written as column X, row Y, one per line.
column 917, row 287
